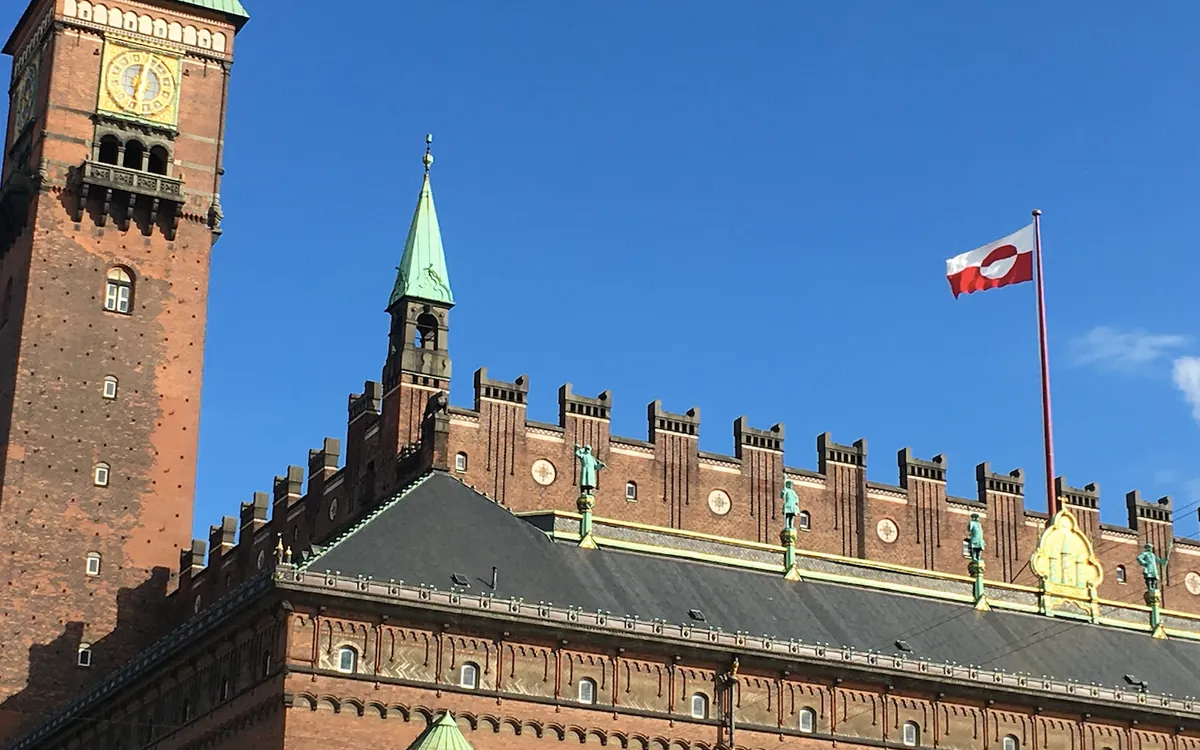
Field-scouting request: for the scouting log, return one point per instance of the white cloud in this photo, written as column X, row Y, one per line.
column 1112, row 349
column 1186, row 375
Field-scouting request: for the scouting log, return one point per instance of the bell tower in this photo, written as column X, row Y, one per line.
column 418, row 361
column 109, row 207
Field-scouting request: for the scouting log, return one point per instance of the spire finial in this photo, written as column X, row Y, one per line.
column 428, row 152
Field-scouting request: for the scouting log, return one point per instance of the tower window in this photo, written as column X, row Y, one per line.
column 804, row 521
column 468, row 676
column 110, row 150
column 6, row 306
column 84, row 657
column 911, row 734
column 266, row 663
column 135, row 154
column 1121, row 577
column 157, row 163
column 100, row 475
column 110, row 386
column 1011, row 743
column 699, row 706
column 966, row 551
column 587, row 690
column 631, row 491
column 347, row 660
column 224, row 688
column 93, row 564
column 808, row 720
column 427, row 332
column 460, row 462
column 118, row 291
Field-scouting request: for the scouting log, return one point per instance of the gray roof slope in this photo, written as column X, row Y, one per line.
column 441, row 527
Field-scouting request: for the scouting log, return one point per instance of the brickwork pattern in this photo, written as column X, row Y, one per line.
column 57, row 425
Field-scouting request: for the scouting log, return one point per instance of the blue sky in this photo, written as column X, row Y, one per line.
column 745, row 211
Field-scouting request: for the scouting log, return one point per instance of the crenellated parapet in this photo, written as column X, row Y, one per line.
column 666, row 480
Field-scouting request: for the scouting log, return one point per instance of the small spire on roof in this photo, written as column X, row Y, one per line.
column 428, row 152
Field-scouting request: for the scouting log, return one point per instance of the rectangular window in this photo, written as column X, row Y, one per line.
column 966, row 549
column 93, row 564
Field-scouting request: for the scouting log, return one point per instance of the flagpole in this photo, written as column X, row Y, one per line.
column 1047, row 425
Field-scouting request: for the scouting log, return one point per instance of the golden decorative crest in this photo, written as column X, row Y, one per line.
column 1067, row 564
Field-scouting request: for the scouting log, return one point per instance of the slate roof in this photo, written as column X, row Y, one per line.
column 441, row 527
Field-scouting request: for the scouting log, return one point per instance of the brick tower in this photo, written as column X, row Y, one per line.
column 109, row 209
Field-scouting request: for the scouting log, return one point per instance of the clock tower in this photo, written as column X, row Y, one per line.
column 109, row 208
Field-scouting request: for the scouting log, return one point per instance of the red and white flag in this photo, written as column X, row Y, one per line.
column 1000, row 263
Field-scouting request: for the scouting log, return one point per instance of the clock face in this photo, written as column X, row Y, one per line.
column 24, row 94
column 140, row 83
column 887, row 531
column 719, row 502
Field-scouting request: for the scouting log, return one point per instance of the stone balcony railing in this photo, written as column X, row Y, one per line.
column 115, row 177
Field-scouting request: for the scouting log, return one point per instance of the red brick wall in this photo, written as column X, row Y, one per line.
column 59, row 426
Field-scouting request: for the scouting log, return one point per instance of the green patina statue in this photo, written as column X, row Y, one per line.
column 791, row 505
column 1150, row 563
column 975, row 543
column 589, row 467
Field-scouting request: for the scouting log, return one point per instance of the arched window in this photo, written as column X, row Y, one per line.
column 460, row 462
column 93, row 564
column 587, row 690
column 808, row 720
column 699, row 706
column 6, row 306
column 631, row 491
column 110, row 150
column 100, row 475
column 158, row 161
column 1121, row 577
column 804, row 521
column 109, row 389
column 427, row 332
column 118, row 291
column 135, row 154
column 468, row 676
column 347, row 660
column 912, row 734
column 84, row 657
column 1011, row 743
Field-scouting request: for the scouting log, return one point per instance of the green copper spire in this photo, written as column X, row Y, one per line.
column 422, row 273
column 442, row 734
